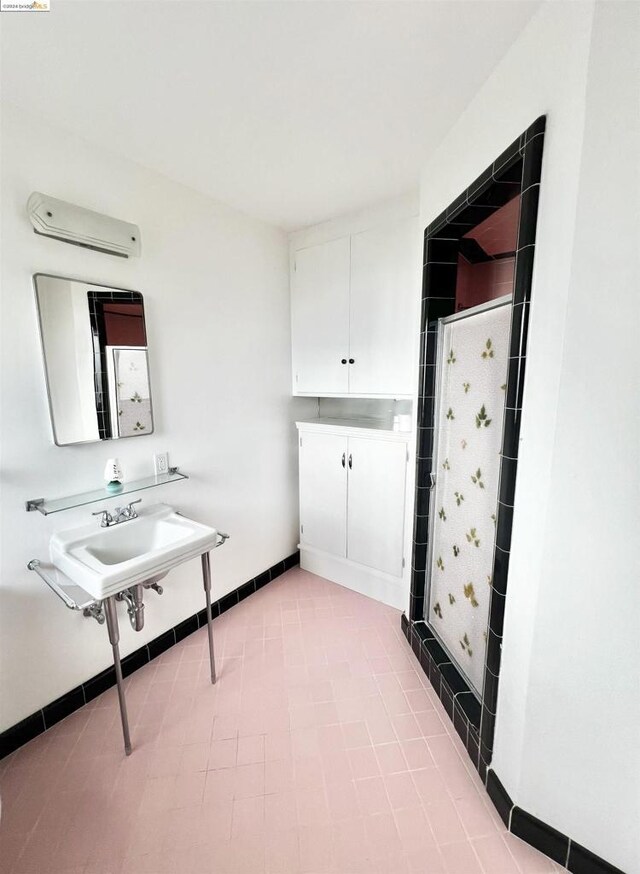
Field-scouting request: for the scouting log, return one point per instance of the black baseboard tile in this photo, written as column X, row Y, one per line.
column 543, row 837
column 161, row 643
column 246, row 590
column 186, row 627
column 499, row 796
column 99, row 684
column 292, row 560
column 228, row 601
column 415, row 642
column 425, row 660
column 582, row 861
column 470, row 706
column 276, row 570
column 454, row 679
column 436, row 652
column 135, row 660
column 63, row 706
column 482, row 768
column 19, row 734
column 460, row 723
column 446, row 697
column 261, row 580
column 473, row 745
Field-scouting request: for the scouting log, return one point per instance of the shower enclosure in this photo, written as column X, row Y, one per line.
column 476, row 294
column 471, row 374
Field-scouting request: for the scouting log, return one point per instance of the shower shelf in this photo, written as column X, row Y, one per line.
column 56, row 505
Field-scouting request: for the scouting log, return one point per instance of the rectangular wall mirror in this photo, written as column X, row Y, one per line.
column 94, row 343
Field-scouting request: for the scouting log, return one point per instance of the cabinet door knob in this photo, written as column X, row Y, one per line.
column 344, row 361
column 350, row 462
column 343, row 458
column 352, row 361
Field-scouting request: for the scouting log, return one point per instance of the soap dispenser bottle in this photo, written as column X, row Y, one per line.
column 113, row 475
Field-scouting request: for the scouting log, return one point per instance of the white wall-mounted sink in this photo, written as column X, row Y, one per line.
column 104, row 561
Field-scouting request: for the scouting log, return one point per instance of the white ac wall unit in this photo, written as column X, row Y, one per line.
column 55, row 218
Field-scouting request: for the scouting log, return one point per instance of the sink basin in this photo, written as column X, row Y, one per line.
column 104, row 561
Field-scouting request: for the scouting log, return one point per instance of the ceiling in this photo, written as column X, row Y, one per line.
column 292, row 112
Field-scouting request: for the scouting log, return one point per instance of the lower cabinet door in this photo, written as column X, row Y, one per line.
column 375, row 522
column 323, row 492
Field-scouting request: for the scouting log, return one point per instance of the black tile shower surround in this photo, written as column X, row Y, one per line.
column 517, row 169
column 543, row 837
column 33, row 725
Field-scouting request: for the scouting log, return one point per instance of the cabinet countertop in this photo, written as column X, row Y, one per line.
column 364, row 427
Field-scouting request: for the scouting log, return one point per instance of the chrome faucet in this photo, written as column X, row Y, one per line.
column 120, row 514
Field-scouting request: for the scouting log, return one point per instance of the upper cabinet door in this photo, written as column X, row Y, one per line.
column 385, row 291
column 375, row 520
column 320, row 318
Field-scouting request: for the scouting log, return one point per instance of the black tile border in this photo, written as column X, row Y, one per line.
column 499, row 796
column 516, row 170
column 17, row 735
column 582, row 861
column 543, row 837
column 533, row 831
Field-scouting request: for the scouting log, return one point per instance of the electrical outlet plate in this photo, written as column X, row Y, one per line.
column 161, row 462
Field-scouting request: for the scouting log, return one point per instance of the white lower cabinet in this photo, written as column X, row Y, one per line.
column 323, row 492
column 375, row 503
column 352, row 508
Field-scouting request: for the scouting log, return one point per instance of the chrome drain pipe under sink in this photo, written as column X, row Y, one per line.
column 135, row 605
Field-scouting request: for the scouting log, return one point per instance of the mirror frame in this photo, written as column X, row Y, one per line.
column 97, row 286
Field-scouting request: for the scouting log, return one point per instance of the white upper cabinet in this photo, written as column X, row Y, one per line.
column 385, row 274
column 354, row 304
column 320, row 318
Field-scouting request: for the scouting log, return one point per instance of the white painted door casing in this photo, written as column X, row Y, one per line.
column 375, row 504
column 320, row 318
column 323, row 492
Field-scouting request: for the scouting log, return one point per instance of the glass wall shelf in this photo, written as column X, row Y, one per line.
column 46, row 507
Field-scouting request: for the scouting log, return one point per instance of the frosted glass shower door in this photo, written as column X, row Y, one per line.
column 473, row 350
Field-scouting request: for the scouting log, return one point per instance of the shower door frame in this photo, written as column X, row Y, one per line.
column 504, row 300
column 516, row 171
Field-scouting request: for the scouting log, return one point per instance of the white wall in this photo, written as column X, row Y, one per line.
column 568, row 706
column 216, row 292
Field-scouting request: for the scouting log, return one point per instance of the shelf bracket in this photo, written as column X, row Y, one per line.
column 35, row 504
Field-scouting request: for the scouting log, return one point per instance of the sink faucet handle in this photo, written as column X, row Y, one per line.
column 130, row 509
column 106, row 519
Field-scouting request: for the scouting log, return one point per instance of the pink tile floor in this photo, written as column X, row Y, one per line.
column 322, row 748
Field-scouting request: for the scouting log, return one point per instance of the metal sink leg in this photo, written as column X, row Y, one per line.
column 206, row 579
column 114, row 638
